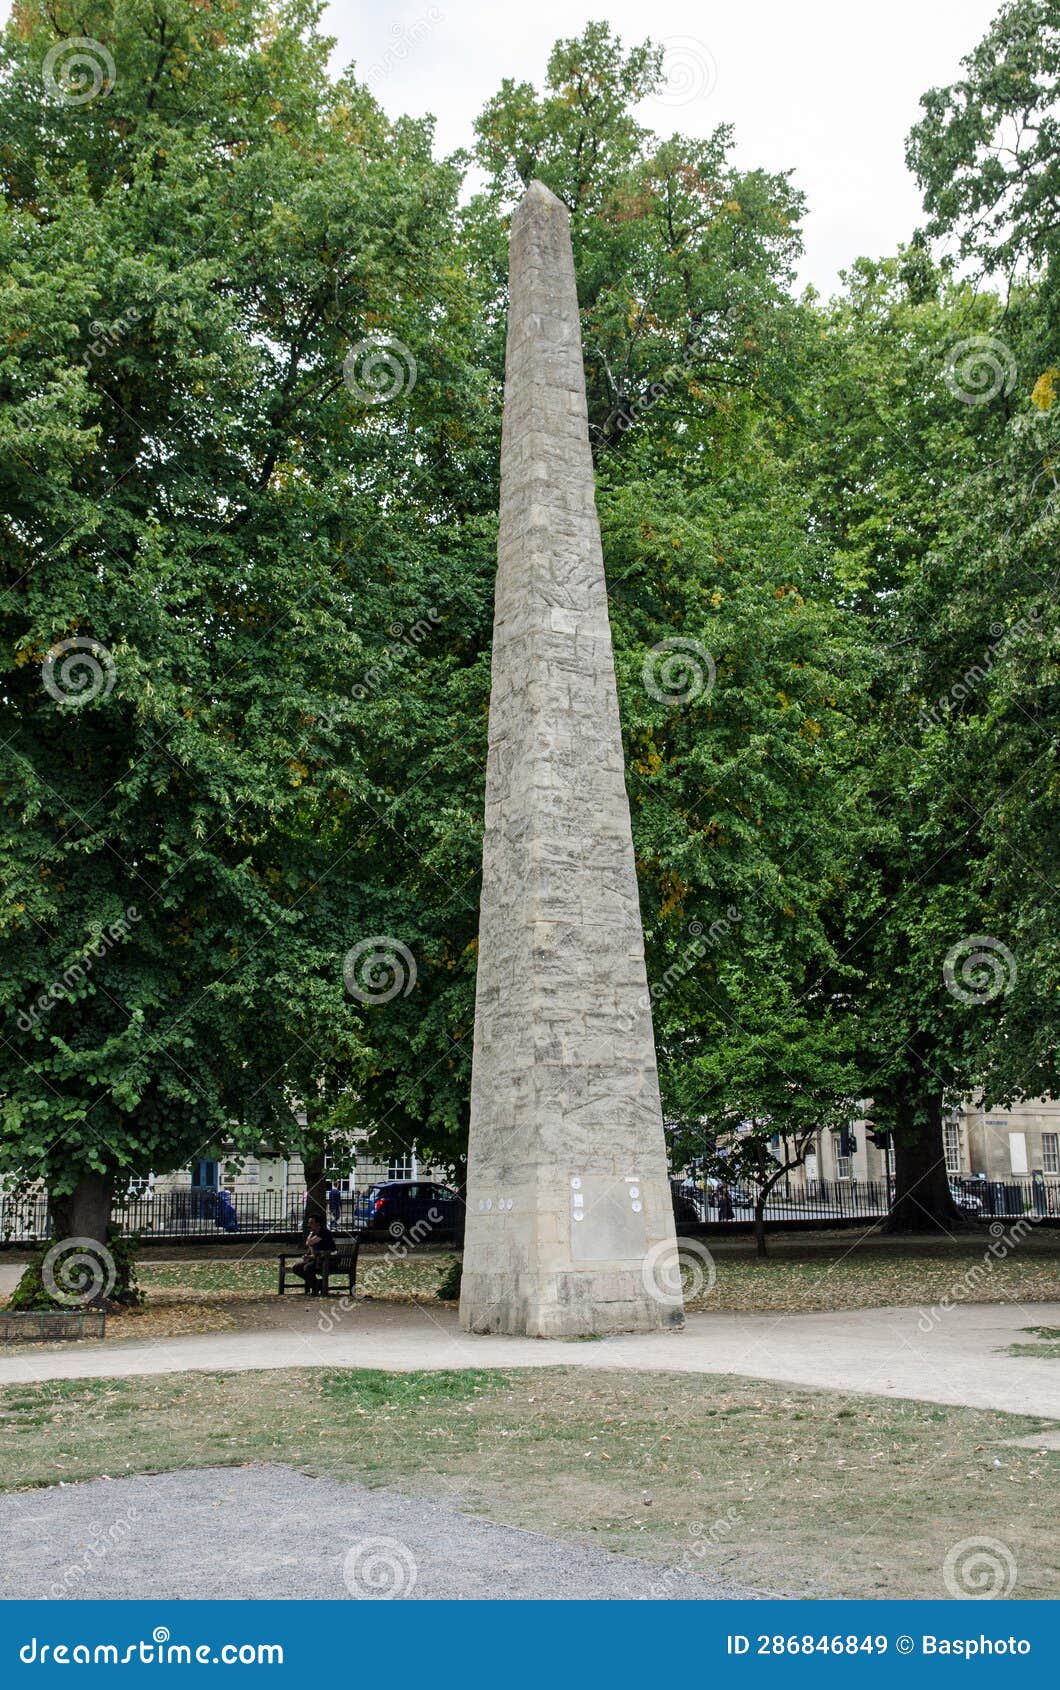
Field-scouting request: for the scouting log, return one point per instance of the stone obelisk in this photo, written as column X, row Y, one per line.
column 569, row 1219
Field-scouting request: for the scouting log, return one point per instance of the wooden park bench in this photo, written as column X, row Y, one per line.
column 333, row 1265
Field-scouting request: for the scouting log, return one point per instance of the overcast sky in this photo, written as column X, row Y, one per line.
column 827, row 88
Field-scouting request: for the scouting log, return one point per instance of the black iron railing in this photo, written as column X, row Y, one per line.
column 198, row 1213
column 852, row 1199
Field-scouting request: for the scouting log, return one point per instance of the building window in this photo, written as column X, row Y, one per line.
column 844, row 1149
column 951, row 1141
column 402, row 1167
column 1051, row 1153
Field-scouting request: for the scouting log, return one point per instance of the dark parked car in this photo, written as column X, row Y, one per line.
column 400, row 1206
column 740, row 1197
column 965, row 1198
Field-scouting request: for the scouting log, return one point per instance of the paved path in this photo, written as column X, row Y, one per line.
column 270, row 1533
column 885, row 1352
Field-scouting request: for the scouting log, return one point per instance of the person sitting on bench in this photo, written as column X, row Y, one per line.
column 319, row 1241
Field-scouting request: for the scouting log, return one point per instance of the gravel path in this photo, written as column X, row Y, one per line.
column 957, row 1356
column 271, row 1533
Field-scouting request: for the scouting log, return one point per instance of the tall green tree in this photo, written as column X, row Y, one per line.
column 891, row 436
column 205, row 243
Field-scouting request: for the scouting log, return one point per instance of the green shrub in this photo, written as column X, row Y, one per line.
column 449, row 1285
column 31, row 1292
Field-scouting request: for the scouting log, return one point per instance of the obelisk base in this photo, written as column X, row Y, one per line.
column 571, row 1255
column 564, row 1305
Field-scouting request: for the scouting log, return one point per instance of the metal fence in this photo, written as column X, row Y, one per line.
column 184, row 1213
column 193, row 1213
column 852, row 1199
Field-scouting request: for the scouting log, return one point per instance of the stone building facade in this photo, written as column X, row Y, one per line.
column 274, row 1177
column 1016, row 1143
column 993, row 1144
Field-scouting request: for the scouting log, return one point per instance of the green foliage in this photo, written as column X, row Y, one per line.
column 247, row 601
column 987, row 151
column 449, row 1285
column 682, row 259
column 195, row 493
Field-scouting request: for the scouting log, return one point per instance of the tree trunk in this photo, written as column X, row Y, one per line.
column 77, row 1267
column 316, row 1183
column 760, row 1224
column 85, row 1211
column 922, row 1197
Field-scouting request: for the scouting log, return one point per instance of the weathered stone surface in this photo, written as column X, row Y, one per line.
column 570, row 1226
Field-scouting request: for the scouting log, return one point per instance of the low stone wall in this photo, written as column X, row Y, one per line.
column 51, row 1325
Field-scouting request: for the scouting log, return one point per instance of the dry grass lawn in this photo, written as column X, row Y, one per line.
column 842, row 1273
column 780, row 1488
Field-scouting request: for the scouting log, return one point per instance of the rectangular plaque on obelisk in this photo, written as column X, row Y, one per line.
column 569, row 1217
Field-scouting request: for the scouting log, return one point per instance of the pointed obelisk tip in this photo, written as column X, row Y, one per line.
column 538, row 197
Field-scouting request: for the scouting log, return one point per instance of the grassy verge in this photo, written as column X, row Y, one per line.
column 1046, row 1343
column 406, row 1279
column 784, row 1489
column 843, row 1274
